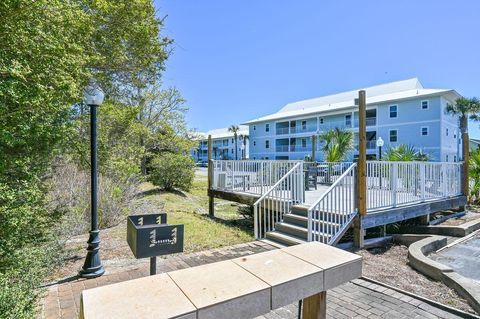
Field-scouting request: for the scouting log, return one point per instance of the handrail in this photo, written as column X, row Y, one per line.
column 277, row 201
column 276, row 184
column 333, row 186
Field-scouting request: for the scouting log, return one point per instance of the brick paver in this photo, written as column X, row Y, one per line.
column 356, row 299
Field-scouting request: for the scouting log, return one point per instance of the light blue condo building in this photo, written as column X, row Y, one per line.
column 402, row 112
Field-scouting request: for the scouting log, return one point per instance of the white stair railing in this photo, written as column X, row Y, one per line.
column 332, row 213
column 278, row 200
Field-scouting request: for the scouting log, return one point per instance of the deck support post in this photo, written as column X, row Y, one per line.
column 315, row 307
column 361, row 185
column 211, row 203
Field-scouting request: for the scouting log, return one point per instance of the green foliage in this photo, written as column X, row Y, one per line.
column 234, row 129
column 172, row 171
column 337, row 144
column 404, row 153
column 50, row 49
column 463, row 107
column 474, row 174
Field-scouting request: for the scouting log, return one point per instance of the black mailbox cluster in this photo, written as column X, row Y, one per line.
column 149, row 235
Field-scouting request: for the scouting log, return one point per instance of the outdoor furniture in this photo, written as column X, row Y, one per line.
column 312, row 175
column 241, row 288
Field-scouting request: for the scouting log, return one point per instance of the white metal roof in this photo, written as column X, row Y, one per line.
column 375, row 94
column 223, row 132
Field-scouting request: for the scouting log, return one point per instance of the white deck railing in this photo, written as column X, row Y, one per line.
column 278, row 200
column 248, row 176
column 334, row 209
column 329, row 172
column 391, row 184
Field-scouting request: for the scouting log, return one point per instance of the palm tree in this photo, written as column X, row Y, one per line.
column 404, row 153
column 337, row 144
column 234, row 129
column 463, row 107
column 244, row 138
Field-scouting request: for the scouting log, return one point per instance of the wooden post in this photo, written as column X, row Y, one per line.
column 211, row 203
column 315, row 307
column 314, row 145
column 361, row 187
column 466, row 156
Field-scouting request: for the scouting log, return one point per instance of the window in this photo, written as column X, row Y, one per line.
column 424, row 131
column 393, row 111
column 321, row 121
column 267, row 144
column 393, row 136
column 454, row 134
column 454, row 158
column 446, row 131
column 254, row 143
column 232, row 150
column 348, row 120
column 233, row 140
column 267, row 127
column 446, row 158
column 254, row 127
column 304, row 125
column 424, row 105
column 304, row 143
column 266, row 157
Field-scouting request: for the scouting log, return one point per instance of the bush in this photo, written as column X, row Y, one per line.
column 170, row 171
column 69, row 198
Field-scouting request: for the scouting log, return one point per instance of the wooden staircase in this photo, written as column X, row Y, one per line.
column 293, row 230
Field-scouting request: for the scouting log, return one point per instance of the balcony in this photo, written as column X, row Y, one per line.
column 371, row 145
column 299, row 148
column 370, row 121
column 331, row 125
column 296, row 130
column 282, row 130
column 282, row 148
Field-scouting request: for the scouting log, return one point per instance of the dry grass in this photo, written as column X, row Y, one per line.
column 190, row 209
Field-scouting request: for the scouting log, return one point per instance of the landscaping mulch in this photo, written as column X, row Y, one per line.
column 390, row 265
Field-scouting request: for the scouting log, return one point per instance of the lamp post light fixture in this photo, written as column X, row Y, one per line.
column 380, row 143
column 93, row 265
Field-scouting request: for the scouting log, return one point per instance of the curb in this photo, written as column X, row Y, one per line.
column 455, row 231
column 449, row 309
column 418, row 260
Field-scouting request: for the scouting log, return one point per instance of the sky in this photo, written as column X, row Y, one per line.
column 236, row 60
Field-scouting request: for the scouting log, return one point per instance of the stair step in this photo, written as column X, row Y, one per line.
column 284, row 239
column 303, row 221
column 301, row 210
column 297, row 231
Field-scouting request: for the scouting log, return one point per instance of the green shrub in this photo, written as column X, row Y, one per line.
column 172, row 171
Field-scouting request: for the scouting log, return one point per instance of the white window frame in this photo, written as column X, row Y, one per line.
column 304, row 127
column 428, row 105
column 390, row 111
column 446, row 131
column 254, row 143
column 267, row 144
column 421, row 131
column 321, row 120
column 390, row 136
column 304, row 142
column 254, row 127
column 267, row 127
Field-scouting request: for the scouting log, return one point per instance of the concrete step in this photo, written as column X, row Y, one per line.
column 273, row 243
column 284, row 239
column 302, row 221
column 297, row 231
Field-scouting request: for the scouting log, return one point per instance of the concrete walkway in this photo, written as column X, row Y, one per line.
column 356, row 299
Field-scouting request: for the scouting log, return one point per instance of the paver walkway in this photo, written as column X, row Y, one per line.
column 356, row 299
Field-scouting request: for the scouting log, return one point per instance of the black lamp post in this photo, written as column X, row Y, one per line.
column 379, row 145
column 93, row 265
